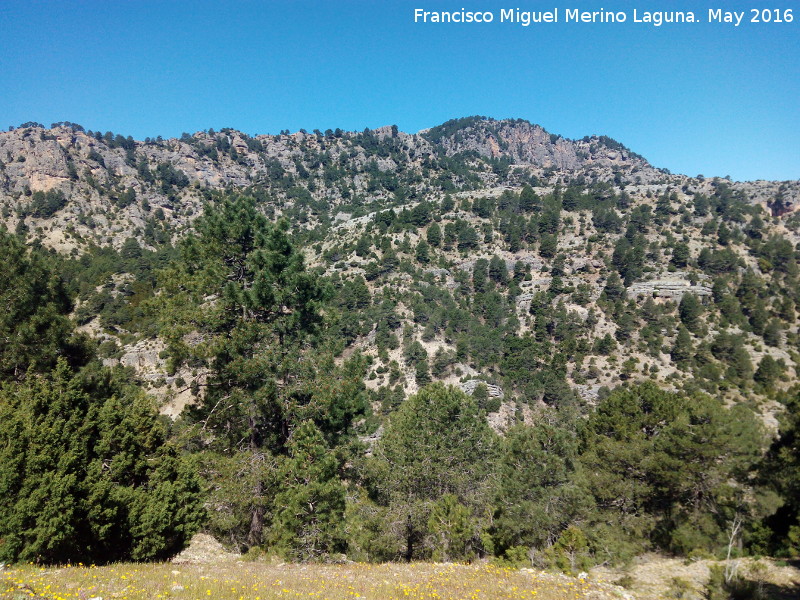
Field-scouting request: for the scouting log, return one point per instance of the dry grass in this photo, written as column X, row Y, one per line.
column 263, row 581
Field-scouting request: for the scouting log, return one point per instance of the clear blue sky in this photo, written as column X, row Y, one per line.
column 694, row 98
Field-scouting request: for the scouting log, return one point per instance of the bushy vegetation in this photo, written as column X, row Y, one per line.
column 627, row 416
column 88, row 470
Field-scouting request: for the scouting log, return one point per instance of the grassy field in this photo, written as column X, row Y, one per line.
column 263, row 581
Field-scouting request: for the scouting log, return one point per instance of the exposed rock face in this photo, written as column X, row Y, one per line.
column 587, row 393
column 438, row 272
column 144, row 358
column 669, row 289
column 116, row 188
column 522, row 142
column 468, row 387
column 172, row 391
column 370, row 440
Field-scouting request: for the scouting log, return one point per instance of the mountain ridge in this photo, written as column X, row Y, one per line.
column 103, row 186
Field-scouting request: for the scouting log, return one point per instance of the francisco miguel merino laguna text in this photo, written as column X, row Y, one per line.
column 569, row 15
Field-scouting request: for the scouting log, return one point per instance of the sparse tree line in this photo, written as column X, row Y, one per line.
column 479, row 318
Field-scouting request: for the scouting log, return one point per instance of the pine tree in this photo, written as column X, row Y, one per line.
column 34, row 328
column 768, row 371
column 539, row 492
column 723, row 235
column 363, row 246
column 772, row 333
column 614, row 290
column 548, row 245
column 467, row 237
column 498, row 271
column 680, row 255
column 528, row 200
column 683, row 349
column 434, row 235
column 309, row 513
column 422, row 252
column 690, row 310
column 670, row 468
column 242, row 289
column 240, row 489
column 452, row 531
column 781, row 471
column 436, row 443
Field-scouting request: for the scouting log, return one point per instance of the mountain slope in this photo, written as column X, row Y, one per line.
column 114, row 187
column 448, row 265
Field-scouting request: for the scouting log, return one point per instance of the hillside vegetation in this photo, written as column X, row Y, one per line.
column 482, row 340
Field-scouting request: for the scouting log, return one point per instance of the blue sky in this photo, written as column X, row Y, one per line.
column 694, row 98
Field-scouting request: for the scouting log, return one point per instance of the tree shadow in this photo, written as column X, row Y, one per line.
column 771, row 591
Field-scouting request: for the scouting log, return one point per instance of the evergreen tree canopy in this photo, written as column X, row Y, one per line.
column 782, row 471
column 241, row 305
column 34, row 328
column 437, row 444
column 89, row 479
column 309, row 514
column 670, row 467
column 434, row 235
column 539, row 491
column 690, row 310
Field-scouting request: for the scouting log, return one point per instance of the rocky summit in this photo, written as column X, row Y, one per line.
column 104, row 188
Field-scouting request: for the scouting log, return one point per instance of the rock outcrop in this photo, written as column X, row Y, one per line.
column 494, row 391
column 668, row 289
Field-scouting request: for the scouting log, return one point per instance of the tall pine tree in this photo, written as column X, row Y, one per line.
column 241, row 305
